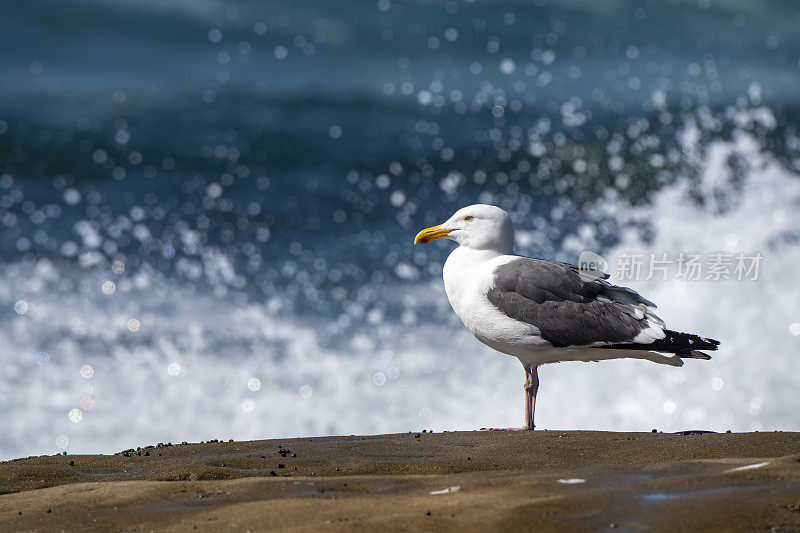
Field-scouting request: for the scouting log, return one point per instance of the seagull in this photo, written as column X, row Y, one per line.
column 542, row 311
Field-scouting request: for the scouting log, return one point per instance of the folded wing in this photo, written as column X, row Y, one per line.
column 573, row 307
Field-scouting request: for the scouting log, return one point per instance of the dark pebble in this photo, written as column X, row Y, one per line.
column 429, row 513
column 72, row 463
column 281, row 465
column 273, row 473
column 49, row 510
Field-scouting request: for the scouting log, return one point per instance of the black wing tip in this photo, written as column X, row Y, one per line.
column 685, row 345
column 715, row 342
column 706, row 344
column 695, row 354
column 695, row 342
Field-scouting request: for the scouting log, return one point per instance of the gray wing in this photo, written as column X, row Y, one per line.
column 569, row 306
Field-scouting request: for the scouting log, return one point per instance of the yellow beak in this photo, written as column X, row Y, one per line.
column 431, row 234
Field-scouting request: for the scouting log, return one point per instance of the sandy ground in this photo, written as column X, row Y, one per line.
column 543, row 480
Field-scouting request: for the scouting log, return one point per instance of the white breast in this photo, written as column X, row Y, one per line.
column 468, row 275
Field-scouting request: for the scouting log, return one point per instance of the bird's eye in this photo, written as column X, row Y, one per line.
column 469, row 218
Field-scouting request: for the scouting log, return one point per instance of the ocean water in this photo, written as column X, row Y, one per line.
column 207, row 208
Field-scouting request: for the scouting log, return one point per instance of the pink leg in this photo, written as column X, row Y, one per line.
column 531, row 387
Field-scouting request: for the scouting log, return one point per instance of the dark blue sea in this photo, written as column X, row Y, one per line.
column 207, row 210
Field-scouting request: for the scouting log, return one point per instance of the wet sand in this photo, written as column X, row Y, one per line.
column 544, row 480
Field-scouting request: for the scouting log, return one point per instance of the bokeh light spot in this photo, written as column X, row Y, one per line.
column 507, row 66
column 72, row 196
column 248, row 406
column 108, row 287
column 75, row 416
column 86, row 403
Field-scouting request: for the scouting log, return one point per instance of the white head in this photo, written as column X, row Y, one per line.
column 479, row 226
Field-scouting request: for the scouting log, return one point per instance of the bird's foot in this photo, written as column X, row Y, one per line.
column 523, row 428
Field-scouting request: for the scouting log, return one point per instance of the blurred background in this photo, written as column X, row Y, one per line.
column 207, row 209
